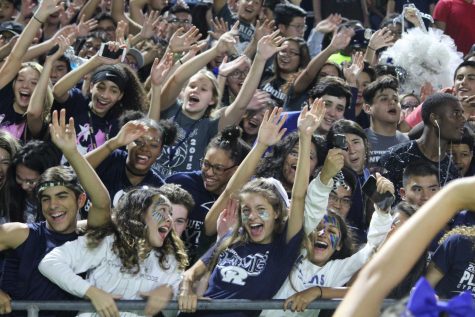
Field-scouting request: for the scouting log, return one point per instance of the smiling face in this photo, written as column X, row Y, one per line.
column 23, row 87
column 60, row 206
column 158, row 221
column 252, row 121
column 289, row 167
column 144, row 151
column 465, row 82
column 339, row 201
column 198, row 96
column 335, row 109
column 105, row 94
column 249, row 10
column 5, row 161
column 288, row 60
column 462, row 156
column 258, row 217
column 324, row 241
column 385, row 108
column 355, row 156
column 217, row 169
column 236, row 79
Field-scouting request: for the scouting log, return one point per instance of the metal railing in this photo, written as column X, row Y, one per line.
column 34, row 307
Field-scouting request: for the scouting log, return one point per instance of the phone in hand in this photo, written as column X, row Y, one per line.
column 105, row 52
column 382, row 200
column 339, row 141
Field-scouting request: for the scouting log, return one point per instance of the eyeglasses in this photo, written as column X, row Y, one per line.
column 238, row 74
column 290, row 53
column 29, row 182
column 299, row 27
column 153, row 143
column 344, row 202
column 217, row 169
column 180, row 22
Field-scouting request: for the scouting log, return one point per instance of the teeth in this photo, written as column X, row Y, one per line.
column 255, row 225
column 321, row 244
column 57, row 215
column 163, row 229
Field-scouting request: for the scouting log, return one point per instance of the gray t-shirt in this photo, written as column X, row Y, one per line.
column 379, row 144
column 192, row 139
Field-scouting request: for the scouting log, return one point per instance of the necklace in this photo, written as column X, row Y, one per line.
column 134, row 173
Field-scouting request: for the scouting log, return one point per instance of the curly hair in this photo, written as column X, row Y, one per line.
column 131, row 233
column 468, row 231
column 230, row 140
column 271, row 165
column 266, row 189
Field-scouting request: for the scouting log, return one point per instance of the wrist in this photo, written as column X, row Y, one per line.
column 39, row 19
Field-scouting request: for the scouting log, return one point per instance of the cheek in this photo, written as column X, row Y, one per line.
column 264, row 215
column 334, row 239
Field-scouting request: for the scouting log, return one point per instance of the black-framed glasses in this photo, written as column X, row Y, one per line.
column 344, row 201
column 217, row 168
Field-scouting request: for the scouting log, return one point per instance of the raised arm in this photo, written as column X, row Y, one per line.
column 389, row 266
column 307, row 123
column 175, row 83
column 13, row 62
column 158, row 73
column 61, row 88
column 129, row 132
column 267, row 47
column 270, row 132
column 34, row 113
column 339, row 41
column 64, row 137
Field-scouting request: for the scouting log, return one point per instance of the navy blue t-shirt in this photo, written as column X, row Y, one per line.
column 251, row 271
column 10, row 120
column 193, row 183
column 21, row 278
column 455, row 258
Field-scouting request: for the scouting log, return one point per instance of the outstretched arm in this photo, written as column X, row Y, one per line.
column 64, row 137
column 13, row 62
column 158, row 73
column 269, row 134
column 307, row 123
column 389, row 266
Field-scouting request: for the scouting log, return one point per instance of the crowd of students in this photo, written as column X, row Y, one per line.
column 226, row 149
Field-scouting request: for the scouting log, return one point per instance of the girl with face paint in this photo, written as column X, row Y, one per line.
column 262, row 233
column 327, row 260
column 139, row 251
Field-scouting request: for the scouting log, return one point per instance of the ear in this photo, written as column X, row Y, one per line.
column 91, row 86
column 433, row 119
column 121, row 95
column 367, row 108
column 82, row 200
column 402, row 193
column 338, row 247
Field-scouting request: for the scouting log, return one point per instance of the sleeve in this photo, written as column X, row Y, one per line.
column 62, row 265
column 379, row 227
column 445, row 253
column 115, row 159
column 316, row 202
column 314, row 42
column 441, row 11
column 172, row 277
column 344, row 269
column 414, row 117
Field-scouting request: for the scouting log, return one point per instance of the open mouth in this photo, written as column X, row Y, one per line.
column 392, row 111
column 163, row 231
column 58, row 216
column 253, row 124
column 256, row 229
column 142, row 159
column 194, row 99
column 320, row 245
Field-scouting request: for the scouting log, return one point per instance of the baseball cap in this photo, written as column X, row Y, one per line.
column 11, row 27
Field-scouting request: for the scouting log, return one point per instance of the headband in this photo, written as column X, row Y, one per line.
column 49, row 184
column 281, row 190
column 112, row 75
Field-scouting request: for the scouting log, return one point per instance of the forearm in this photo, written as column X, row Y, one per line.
column 89, row 9
column 316, row 202
column 250, row 50
column 98, row 155
column 193, row 274
column 242, row 175
column 135, row 11
column 37, row 50
column 307, row 76
column 36, row 106
column 154, row 109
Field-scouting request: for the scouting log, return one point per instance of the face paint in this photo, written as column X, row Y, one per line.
column 332, row 221
column 261, row 213
column 158, row 214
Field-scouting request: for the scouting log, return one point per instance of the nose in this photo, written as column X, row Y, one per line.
column 321, row 232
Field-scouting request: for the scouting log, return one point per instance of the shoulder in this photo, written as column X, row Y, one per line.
column 184, row 178
column 13, row 234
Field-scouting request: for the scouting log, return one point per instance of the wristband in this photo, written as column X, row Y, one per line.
column 371, row 48
column 34, row 17
column 321, row 292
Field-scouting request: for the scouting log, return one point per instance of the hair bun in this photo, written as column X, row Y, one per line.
column 230, row 134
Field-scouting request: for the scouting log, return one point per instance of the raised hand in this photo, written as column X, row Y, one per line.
column 259, row 100
column 353, row 70
column 334, row 162
column 219, row 27
column 181, row 41
column 150, row 23
column 381, row 38
column 120, row 31
column 84, row 27
column 270, row 131
column 113, row 47
column 226, row 68
column 310, row 120
column 329, row 24
column 63, row 43
column 160, row 69
column 130, row 132
column 227, row 218
column 157, row 299
column 269, row 45
column 264, row 28
column 103, row 302
column 383, row 184
column 27, row 7
column 48, row 7
column 342, row 38
column 63, row 134
column 66, row 31
column 228, row 40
